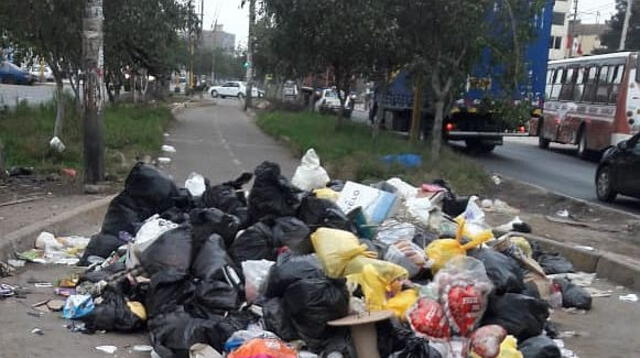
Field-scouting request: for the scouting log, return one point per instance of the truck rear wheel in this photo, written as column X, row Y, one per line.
column 476, row 146
column 543, row 143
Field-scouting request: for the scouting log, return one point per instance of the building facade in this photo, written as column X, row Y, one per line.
column 587, row 37
column 559, row 42
column 218, row 39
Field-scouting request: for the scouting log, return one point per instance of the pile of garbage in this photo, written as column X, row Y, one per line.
column 312, row 267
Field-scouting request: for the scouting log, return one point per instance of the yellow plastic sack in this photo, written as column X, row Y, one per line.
column 472, row 232
column 523, row 245
column 508, row 349
column 442, row 250
column 378, row 280
column 335, row 249
column 138, row 309
column 401, row 302
column 326, row 193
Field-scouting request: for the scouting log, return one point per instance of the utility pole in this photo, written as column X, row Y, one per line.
column 214, row 34
column 625, row 26
column 252, row 20
column 190, row 83
column 572, row 28
column 93, row 56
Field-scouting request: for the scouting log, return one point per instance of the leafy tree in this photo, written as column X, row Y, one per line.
column 611, row 38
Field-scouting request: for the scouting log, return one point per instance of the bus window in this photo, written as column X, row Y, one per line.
column 615, row 87
column 579, row 87
column 550, row 78
column 602, row 93
column 591, row 85
column 566, row 93
column 557, row 83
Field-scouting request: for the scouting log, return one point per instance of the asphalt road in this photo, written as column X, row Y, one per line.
column 557, row 169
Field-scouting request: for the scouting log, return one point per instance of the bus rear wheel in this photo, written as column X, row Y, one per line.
column 583, row 151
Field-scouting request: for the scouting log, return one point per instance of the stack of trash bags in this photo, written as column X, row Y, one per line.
column 262, row 273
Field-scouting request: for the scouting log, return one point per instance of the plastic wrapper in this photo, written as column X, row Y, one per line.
column 407, row 255
column 256, row 274
column 486, row 341
column 310, row 175
column 264, row 348
column 239, row 338
column 335, row 249
column 392, row 231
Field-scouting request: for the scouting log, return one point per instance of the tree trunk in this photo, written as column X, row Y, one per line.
column 2, row 170
column 250, row 47
column 57, row 129
column 436, row 132
column 93, row 56
column 134, row 87
column 416, row 114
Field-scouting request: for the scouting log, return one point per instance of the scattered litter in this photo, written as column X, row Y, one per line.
column 496, row 179
column 43, row 284
column 196, row 184
column 403, row 160
column 632, row 297
column 16, row 263
column 6, row 290
column 166, row 135
column 142, row 348
column 56, row 144
column 37, row 331
column 584, row 247
column 583, row 279
column 567, row 334
column 55, row 305
column 107, row 349
column 563, row 213
column 168, row 149
column 594, row 292
column 164, row 160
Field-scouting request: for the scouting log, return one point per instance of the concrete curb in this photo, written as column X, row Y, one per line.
column 614, row 267
column 84, row 216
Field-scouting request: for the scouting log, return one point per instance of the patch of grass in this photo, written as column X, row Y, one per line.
column 351, row 153
column 130, row 132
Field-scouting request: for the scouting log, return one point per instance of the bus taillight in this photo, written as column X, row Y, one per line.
column 449, row 127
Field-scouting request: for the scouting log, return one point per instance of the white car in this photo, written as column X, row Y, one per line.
column 234, row 89
column 330, row 103
column 48, row 74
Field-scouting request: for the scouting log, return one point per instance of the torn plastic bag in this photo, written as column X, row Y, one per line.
column 522, row 316
column 553, row 263
column 277, row 320
column 573, row 295
column 230, row 198
column 113, row 314
column 503, row 271
column 254, row 243
column 214, row 298
column 310, row 175
column 209, row 221
column 539, row 347
column 378, row 279
column 312, row 303
column 408, row 255
column 290, row 269
column 241, row 337
column 293, row 233
column 317, row 213
column 171, row 250
column 335, row 249
column 211, row 260
column 272, row 194
column 78, row 306
column 168, row 289
column 264, row 348
column 392, row 231
column 256, row 274
column 173, row 334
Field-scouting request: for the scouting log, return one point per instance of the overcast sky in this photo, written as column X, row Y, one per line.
column 236, row 20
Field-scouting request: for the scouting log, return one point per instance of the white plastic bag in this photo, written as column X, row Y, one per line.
column 408, row 255
column 309, row 174
column 149, row 232
column 420, row 209
column 46, row 241
column 405, row 190
column 392, row 231
column 195, row 183
column 256, row 273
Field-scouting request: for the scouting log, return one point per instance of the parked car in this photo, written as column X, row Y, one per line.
column 234, row 89
column 329, row 102
column 47, row 73
column 10, row 73
column 619, row 170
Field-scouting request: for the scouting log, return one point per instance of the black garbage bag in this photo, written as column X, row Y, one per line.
column 183, row 199
column 151, row 188
column 168, row 290
column 214, row 298
column 171, row 250
column 338, row 344
column 539, row 347
column 175, row 215
column 255, row 243
column 276, row 320
column 233, row 322
column 311, row 303
column 288, row 270
column 574, row 295
column 553, row 263
column 316, row 212
column 405, row 344
column 228, row 196
column 209, row 221
column 172, row 334
column 113, row 315
column 522, row 316
column 293, row 233
column 551, row 330
column 503, row 271
column 336, row 185
column 211, row 260
column 104, row 274
column 272, row 194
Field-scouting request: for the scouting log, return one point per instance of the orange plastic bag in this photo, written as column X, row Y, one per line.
column 264, row 348
column 336, row 248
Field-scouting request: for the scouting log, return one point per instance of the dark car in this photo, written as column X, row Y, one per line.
column 10, row 73
column 619, row 170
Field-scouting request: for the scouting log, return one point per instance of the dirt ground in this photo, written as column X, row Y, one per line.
column 609, row 230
